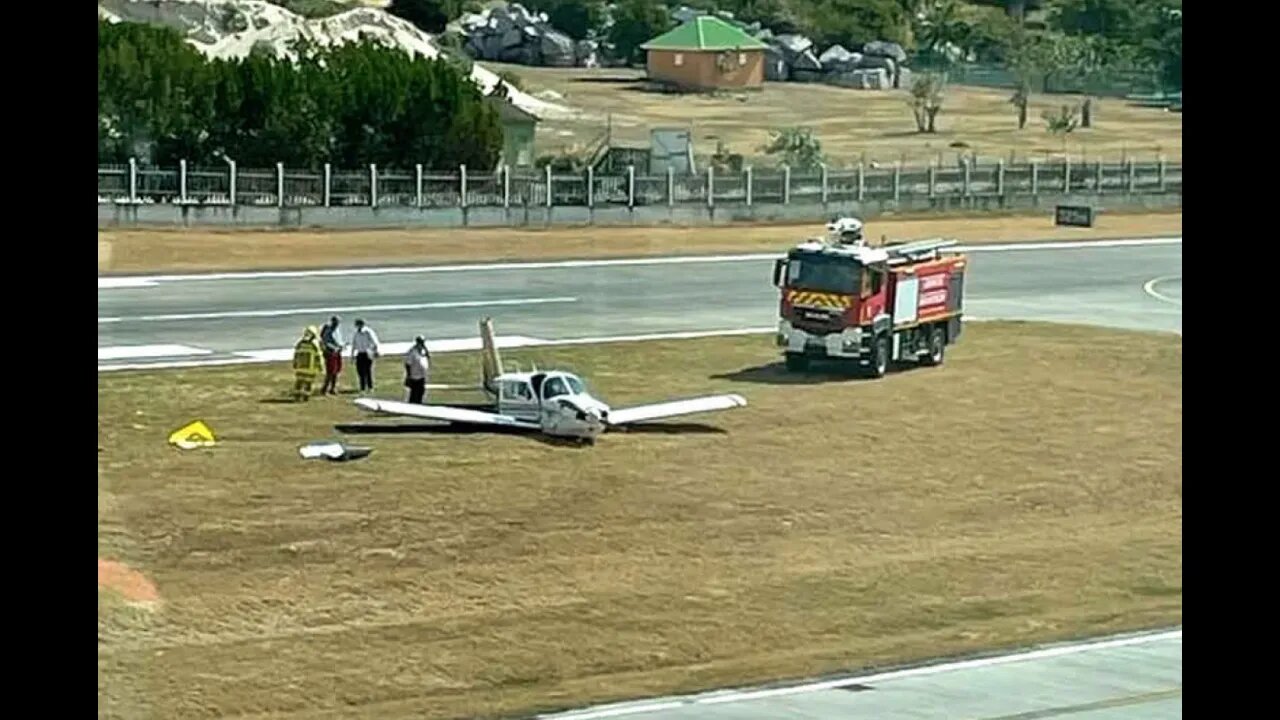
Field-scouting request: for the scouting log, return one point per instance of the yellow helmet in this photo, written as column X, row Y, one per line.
column 310, row 332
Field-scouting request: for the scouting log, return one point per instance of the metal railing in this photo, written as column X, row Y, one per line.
column 416, row 187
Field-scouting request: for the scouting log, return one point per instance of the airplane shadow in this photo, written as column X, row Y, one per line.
column 670, row 428
column 652, row 428
column 449, row 429
column 777, row 374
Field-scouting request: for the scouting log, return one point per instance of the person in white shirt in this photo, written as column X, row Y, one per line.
column 416, row 364
column 364, row 349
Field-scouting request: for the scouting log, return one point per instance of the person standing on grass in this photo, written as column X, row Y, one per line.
column 417, row 363
column 364, row 348
column 331, row 341
column 306, row 364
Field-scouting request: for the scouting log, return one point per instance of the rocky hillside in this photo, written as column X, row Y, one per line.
column 233, row 28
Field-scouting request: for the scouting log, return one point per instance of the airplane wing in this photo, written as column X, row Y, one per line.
column 442, row 412
column 707, row 403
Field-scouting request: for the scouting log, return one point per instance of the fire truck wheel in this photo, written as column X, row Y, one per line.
column 797, row 362
column 880, row 359
column 937, row 347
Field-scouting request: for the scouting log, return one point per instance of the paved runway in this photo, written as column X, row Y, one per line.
column 162, row 319
column 1134, row 677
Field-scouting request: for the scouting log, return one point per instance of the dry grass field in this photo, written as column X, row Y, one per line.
column 874, row 125
column 192, row 250
column 452, row 574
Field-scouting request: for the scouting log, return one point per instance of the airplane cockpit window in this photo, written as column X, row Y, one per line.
column 575, row 385
column 553, row 387
column 517, row 390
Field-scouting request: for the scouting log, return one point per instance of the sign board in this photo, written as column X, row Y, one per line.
column 670, row 148
column 1074, row 215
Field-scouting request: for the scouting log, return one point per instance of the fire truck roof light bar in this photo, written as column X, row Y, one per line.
column 916, row 250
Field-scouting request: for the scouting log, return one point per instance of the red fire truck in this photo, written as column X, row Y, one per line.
column 869, row 305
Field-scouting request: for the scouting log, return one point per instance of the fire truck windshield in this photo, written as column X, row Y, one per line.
column 823, row 274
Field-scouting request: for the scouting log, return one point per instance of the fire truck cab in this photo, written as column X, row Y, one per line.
column 870, row 306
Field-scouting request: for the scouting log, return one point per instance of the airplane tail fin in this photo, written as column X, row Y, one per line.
column 490, row 361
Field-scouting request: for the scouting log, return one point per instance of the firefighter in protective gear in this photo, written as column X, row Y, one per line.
column 306, row 363
column 846, row 231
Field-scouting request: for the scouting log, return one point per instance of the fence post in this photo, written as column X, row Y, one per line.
column 133, row 180
column 231, row 169
column 671, row 186
column 897, row 182
column 182, row 181
column 968, row 168
column 1098, row 182
column 506, row 186
column 824, row 183
column 1160, row 172
column 1035, row 179
column 591, row 187
column 1000, row 177
column 328, row 179
column 933, row 178
column 631, row 186
column 417, row 185
column 786, row 184
column 748, row 186
column 1066, row 174
column 279, row 184
column 550, row 195
column 462, row 186
column 862, row 180
column 1132, row 177
column 711, row 185
column 373, row 185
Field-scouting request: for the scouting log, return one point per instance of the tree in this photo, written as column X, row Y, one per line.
column 353, row 104
column 579, row 19
column 1061, row 123
column 853, row 23
column 926, row 100
column 798, row 148
column 428, row 15
column 636, row 22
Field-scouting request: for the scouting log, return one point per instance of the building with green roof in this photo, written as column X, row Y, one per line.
column 706, row 53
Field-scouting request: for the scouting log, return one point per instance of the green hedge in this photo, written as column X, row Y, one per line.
column 349, row 105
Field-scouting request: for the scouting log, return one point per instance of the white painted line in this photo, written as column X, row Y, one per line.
column 114, row 283
column 617, row 711
column 662, row 336
column 1150, row 288
column 1069, row 245
column 719, row 697
column 1024, row 656
column 176, row 365
column 393, row 349
column 669, row 260
column 330, row 310
column 119, row 352
column 248, row 357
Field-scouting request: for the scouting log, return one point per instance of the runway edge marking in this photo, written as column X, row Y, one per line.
column 144, row 281
column 716, row 697
column 249, row 357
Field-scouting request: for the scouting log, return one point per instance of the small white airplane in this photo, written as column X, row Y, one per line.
column 553, row 402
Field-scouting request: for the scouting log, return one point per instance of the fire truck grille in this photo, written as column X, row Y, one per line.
column 815, row 321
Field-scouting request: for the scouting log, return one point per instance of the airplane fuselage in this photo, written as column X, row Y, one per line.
column 557, row 401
